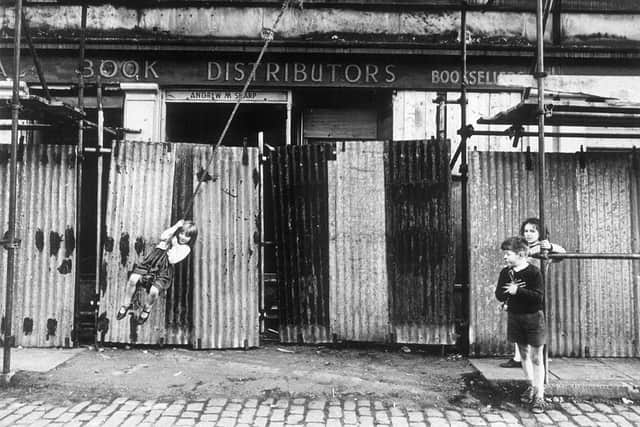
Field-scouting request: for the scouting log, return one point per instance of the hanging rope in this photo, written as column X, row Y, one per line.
column 267, row 34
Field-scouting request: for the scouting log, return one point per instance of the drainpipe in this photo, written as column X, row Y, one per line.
column 12, row 243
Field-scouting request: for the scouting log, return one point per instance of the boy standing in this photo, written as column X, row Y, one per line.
column 520, row 287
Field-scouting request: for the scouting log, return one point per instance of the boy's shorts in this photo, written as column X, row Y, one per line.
column 528, row 328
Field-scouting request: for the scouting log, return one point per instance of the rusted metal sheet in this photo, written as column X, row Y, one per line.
column 587, row 210
column 420, row 250
column 44, row 291
column 358, row 289
column 141, row 183
column 226, row 209
column 301, row 228
column 179, row 301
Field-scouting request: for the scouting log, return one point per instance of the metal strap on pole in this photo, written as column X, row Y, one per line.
column 13, row 172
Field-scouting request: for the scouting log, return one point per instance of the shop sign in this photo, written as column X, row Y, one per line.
column 222, row 96
column 202, row 72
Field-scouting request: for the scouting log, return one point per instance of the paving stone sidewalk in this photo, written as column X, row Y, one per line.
column 304, row 412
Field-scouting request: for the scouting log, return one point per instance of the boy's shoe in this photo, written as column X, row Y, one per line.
column 144, row 315
column 528, row 395
column 122, row 312
column 538, row 405
column 511, row 364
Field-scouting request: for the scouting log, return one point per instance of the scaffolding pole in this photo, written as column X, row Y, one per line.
column 80, row 162
column 11, row 244
column 462, row 149
column 540, row 75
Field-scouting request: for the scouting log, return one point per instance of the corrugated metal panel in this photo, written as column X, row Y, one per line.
column 635, row 241
column 226, row 210
column 179, row 301
column 563, row 292
column 138, row 210
column 359, row 300
column 420, row 251
column 587, row 210
column 609, row 307
column 46, row 260
column 301, row 228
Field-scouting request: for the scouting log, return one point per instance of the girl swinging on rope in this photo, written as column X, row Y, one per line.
column 156, row 270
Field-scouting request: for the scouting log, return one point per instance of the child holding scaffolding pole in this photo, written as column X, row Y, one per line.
column 538, row 242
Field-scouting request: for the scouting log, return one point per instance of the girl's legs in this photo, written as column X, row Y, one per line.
column 131, row 287
column 516, row 354
column 151, row 298
column 129, row 290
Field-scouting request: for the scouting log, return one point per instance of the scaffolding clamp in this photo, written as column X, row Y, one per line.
column 466, row 131
column 10, row 244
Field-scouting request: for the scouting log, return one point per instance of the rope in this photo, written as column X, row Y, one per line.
column 268, row 35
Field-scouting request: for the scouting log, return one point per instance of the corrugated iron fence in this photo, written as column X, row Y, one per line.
column 44, row 286
column 364, row 242
column 591, row 205
column 213, row 300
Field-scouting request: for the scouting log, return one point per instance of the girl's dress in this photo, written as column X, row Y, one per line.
column 157, row 265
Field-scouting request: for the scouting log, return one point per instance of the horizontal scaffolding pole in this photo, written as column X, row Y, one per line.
column 581, row 255
column 561, row 134
column 32, row 126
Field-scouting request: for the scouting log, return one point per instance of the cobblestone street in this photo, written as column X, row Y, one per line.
column 304, row 412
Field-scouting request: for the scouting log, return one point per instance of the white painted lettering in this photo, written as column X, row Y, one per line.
column 130, row 69
column 87, row 68
column 272, row 72
column 371, row 73
column 108, row 68
column 239, row 71
column 299, row 72
column 148, row 68
column 316, row 73
column 391, row 76
column 333, row 68
column 210, row 71
column 348, row 73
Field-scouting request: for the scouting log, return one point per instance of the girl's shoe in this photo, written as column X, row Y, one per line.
column 122, row 312
column 528, row 396
column 144, row 315
column 538, row 405
column 511, row 364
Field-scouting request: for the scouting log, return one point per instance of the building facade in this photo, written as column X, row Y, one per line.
column 171, row 72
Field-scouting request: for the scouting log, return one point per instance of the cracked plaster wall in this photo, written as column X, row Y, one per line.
column 231, row 22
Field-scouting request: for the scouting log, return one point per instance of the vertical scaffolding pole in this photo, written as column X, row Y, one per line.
column 12, row 244
column 99, row 160
column 464, row 169
column 79, row 161
column 540, row 75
